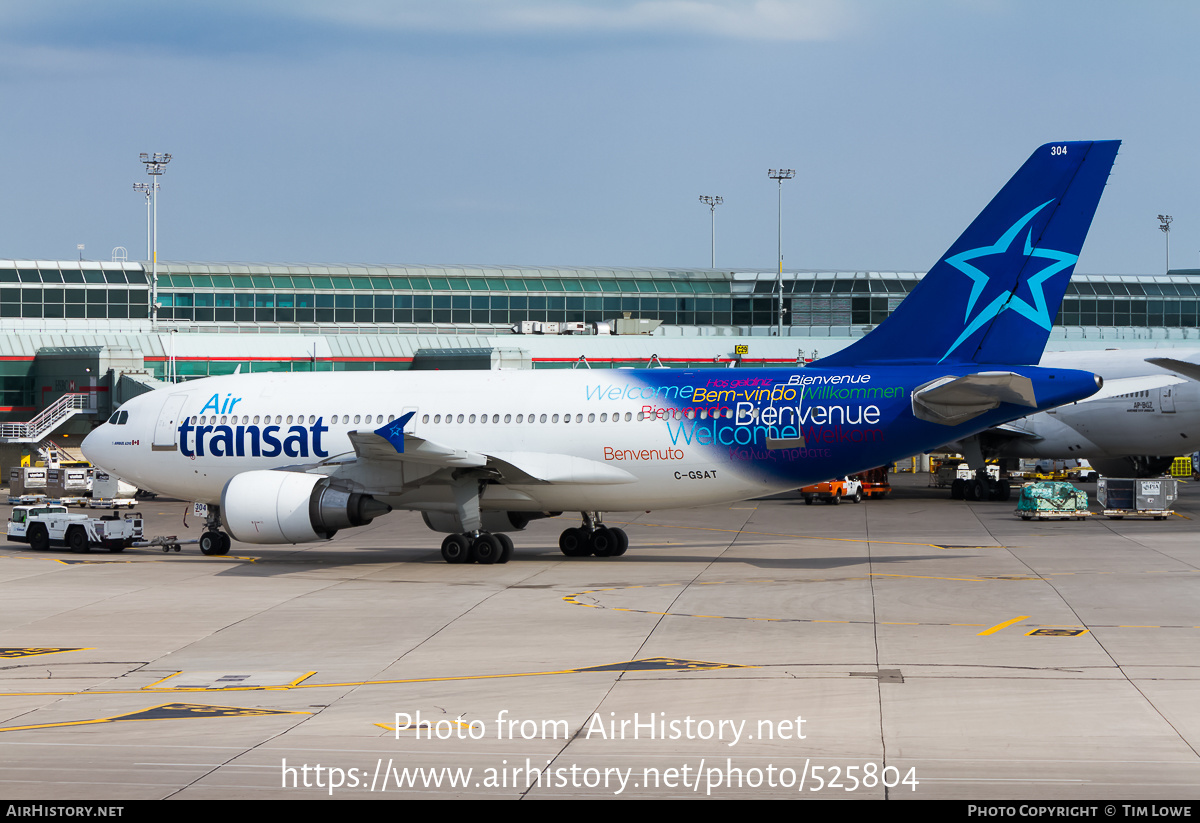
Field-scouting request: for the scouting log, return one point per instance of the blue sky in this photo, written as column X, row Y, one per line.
column 579, row 132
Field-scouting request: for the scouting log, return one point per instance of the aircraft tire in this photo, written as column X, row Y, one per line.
column 77, row 540
column 622, row 542
column 39, row 538
column 602, row 542
column 211, row 544
column 506, row 548
column 1005, row 491
column 574, row 543
column 456, row 549
column 487, row 549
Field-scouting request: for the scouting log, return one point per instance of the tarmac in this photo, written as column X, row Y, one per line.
column 913, row 647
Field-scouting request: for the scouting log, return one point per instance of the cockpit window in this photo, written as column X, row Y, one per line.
column 119, row 418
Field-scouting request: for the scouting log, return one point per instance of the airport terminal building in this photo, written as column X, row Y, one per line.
column 81, row 327
column 233, row 297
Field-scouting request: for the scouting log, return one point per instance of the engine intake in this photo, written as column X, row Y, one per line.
column 292, row 507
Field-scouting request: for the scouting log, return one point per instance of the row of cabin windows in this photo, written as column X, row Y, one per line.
column 280, row 419
column 603, row 417
column 378, row 419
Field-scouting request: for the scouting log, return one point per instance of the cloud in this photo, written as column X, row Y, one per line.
column 54, row 36
column 787, row 20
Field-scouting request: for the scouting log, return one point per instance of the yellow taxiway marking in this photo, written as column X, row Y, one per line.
column 424, row 724
column 1002, row 626
column 158, row 685
column 148, row 555
column 640, row 664
column 35, row 651
column 935, row 577
column 166, row 711
column 808, row 536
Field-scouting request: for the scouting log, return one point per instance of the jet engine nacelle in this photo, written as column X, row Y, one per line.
column 1146, row 465
column 496, row 522
column 291, row 507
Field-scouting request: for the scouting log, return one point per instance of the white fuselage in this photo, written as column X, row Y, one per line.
column 538, row 441
column 286, row 422
column 1156, row 421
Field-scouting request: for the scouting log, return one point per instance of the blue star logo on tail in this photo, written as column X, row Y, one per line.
column 393, row 432
column 1037, row 313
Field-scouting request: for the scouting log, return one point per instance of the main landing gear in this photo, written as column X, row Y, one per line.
column 593, row 538
column 480, row 547
column 982, row 488
column 214, row 541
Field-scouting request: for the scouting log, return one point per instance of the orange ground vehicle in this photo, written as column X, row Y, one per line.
column 875, row 482
column 833, row 491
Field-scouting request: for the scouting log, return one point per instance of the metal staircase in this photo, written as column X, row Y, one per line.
column 54, row 415
column 55, row 454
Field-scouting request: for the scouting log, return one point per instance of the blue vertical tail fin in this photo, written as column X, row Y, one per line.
column 994, row 295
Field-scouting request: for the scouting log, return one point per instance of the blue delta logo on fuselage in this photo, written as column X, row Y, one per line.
column 253, row 440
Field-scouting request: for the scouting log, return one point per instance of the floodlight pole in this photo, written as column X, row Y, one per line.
column 1164, row 221
column 712, row 202
column 780, row 175
column 155, row 164
column 146, row 188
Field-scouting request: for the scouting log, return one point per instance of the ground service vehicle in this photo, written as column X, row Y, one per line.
column 875, row 482
column 833, row 491
column 42, row 526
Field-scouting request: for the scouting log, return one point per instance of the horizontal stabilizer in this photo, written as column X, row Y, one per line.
column 1179, row 366
column 950, row 401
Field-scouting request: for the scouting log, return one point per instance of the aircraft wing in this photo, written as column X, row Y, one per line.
column 512, row 467
column 1009, row 431
column 950, row 401
column 1181, row 366
column 374, row 446
column 996, row 436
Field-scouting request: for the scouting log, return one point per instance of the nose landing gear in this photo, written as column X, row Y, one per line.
column 214, row 542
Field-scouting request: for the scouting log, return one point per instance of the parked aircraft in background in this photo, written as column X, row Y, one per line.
column 292, row 458
column 1147, row 414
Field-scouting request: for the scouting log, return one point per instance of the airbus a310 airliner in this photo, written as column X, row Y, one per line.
column 293, row 458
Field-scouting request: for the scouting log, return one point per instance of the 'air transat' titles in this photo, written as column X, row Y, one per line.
column 823, row 409
column 249, row 440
